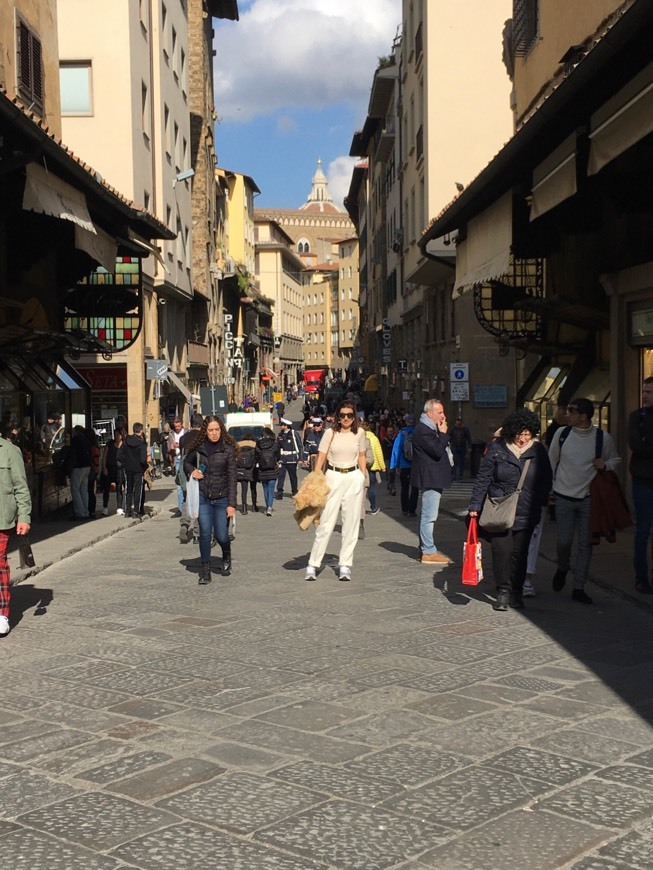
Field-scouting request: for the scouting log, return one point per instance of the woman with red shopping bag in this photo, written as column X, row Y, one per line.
column 472, row 556
column 517, row 466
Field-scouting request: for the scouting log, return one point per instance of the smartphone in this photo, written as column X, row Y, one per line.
column 202, row 467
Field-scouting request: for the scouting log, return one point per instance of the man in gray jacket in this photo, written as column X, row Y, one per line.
column 15, row 510
column 431, row 473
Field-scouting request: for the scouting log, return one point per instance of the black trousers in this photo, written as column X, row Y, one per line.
column 291, row 467
column 243, row 491
column 134, row 492
column 409, row 494
column 509, row 557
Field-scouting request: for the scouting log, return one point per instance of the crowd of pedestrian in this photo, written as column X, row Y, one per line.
column 566, row 472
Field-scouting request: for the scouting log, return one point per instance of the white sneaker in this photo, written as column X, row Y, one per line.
column 120, row 512
column 344, row 572
column 4, row 626
column 529, row 590
column 105, row 512
column 311, row 573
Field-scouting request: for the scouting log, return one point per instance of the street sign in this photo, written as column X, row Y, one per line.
column 459, row 391
column 156, row 369
column 458, row 372
column 214, row 399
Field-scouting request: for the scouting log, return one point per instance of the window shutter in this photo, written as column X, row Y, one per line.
column 29, row 66
column 23, row 65
column 37, row 71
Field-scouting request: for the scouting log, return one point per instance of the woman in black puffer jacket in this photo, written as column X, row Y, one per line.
column 498, row 475
column 267, row 455
column 211, row 459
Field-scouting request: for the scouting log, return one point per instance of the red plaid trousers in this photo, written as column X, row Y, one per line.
column 4, row 575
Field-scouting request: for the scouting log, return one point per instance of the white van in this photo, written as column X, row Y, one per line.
column 248, row 423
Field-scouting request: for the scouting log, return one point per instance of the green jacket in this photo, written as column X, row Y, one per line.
column 15, row 498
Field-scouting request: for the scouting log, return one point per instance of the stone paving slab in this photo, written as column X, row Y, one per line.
column 200, row 848
column 96, row 820
column 348, row 837
column 25, row 849
column 601, row 803
column 240, row 802
column 538, row 841
column 167, row 778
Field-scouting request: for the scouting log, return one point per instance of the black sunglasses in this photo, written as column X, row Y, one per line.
column 348, row 416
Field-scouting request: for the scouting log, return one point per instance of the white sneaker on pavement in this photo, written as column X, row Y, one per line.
column 4, row 626
column 529, row 590
column 344, row 572
column 120, row 512
column 311, row 573
column 105, row 512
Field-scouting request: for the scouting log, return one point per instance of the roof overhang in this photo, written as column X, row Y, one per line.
column 40, row 146
column 613, row 61
column 224, row 9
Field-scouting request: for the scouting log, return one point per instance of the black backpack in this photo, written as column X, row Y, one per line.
column 245, row 458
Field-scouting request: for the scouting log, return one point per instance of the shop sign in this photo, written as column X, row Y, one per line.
column 232, row 344
column 105, row 378
column 459, row 392
column 386, row 342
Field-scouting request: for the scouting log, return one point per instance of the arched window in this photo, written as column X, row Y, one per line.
column 303, row 246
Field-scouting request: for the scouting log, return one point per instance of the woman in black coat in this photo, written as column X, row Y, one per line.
column 211, row 459
column 267, row 454
column 246, row 470
column 498, row 475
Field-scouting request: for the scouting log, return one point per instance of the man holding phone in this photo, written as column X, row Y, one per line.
column 431, row 473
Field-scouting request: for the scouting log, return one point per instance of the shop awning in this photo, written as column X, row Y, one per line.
column 191, row 398
column 554, row 180
column 99, row 245
column 485, row 253
column 622, row 121
column 46, row 193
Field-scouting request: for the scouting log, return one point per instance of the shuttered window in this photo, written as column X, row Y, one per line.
column 29, row 66
column 525, row 25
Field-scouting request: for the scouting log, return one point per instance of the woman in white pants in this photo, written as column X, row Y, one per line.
column 342, row 453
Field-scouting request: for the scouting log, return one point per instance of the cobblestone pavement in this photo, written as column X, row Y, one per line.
column 263, row 722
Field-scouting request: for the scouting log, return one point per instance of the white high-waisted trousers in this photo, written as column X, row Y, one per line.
column 346, row 496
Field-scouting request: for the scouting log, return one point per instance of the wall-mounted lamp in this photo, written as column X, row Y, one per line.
column 161, row 300
column 182, row 176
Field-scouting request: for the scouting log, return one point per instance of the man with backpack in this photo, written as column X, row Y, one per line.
column 291, row 447
column 402, row 458
column 578, row 452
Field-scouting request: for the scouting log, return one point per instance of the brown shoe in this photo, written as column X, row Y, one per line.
column 435, row 559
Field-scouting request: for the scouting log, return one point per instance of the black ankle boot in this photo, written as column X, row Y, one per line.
column 254, row 507
column 243, row 510
column 205, row 574
column 226, row 563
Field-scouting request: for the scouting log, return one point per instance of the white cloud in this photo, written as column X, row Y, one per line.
column 298, row 54
column 339, row 175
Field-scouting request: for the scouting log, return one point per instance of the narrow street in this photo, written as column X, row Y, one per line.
column 392, row 722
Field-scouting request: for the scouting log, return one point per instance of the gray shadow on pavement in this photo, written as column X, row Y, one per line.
column 24, row 597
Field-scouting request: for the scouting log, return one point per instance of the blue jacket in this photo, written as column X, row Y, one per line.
column 397, row 458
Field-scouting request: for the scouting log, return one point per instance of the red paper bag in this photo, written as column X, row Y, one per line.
column 472, row 558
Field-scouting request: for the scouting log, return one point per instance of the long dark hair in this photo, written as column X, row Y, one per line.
column 346, row 403
column 201, row 436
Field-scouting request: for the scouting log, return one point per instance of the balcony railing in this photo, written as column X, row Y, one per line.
column 198, row 353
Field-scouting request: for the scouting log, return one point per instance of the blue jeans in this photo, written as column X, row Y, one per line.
column 430, row 509
column 180, row 491
column 371, row 490
column 574, row 516
column 213, row 520
column 643, row 502
column 268, row 492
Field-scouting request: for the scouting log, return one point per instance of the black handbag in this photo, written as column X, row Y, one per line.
column 27, row 559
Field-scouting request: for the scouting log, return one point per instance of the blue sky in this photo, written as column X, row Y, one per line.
column 292, row 81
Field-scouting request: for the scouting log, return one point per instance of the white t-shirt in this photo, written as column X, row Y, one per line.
column 342, row 448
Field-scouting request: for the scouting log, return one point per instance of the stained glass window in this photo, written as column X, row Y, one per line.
column 108, row 305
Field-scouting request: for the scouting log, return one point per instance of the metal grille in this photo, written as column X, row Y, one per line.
column 524, row 25
column 507, row 308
